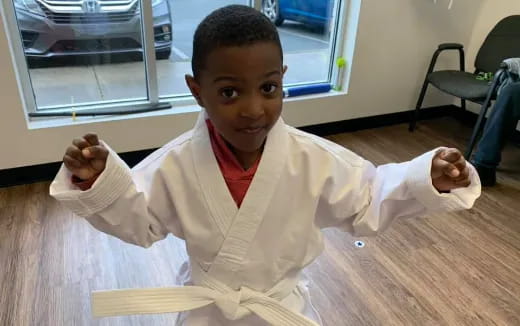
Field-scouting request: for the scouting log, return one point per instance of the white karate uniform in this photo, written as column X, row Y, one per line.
column 303, row 184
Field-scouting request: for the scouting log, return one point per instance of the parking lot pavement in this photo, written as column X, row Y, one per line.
column 187, row 14
column 123, row 81
column 57, row 86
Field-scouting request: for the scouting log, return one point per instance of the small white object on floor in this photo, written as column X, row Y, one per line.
column 359, row 244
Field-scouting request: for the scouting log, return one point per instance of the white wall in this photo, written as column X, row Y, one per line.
column 395, row 41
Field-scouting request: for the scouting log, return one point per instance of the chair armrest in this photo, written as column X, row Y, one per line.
column 450, row 46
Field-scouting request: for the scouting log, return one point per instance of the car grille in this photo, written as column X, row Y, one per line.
column 90, row 18
column 94, row 45
column 74, row 11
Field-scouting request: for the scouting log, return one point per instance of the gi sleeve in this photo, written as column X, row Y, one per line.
column 364, row 200
column 132, row 205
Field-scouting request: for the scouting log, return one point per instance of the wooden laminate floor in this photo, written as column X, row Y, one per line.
column 450, row 269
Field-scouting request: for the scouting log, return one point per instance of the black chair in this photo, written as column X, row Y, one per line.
column 503, row 42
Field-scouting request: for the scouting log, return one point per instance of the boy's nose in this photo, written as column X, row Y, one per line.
column 253, row 110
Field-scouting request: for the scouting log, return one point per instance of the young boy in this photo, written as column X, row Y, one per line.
column 247, row 193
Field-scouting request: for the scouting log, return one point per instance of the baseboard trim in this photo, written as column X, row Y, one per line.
column 378, row 121
column 46, row 172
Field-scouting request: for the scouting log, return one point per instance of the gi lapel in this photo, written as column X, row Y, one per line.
column 221, row 205
column 258, row 198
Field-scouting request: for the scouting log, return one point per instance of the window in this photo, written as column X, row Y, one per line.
column 76, row 55
column 306, row 30
column 186, row 15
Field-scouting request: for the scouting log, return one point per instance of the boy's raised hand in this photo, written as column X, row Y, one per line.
column 86, row 158
column 449, row 170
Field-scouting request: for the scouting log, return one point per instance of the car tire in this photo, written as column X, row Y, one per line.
column 163, row 54
column 271, row 9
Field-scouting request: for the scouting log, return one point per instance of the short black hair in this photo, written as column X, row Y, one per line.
column 233, row 25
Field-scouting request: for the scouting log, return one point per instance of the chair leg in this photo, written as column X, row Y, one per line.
column 459, row 114
column 477, row 129
column 483, row 110
column 415, row 117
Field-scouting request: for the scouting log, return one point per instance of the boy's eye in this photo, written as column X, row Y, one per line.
column 229, row 93
column 269, row 88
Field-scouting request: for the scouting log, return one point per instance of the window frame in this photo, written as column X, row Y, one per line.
column 337, row 49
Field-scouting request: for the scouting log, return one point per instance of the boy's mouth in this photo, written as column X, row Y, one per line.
column 251, row 130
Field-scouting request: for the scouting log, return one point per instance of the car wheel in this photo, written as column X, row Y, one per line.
column 271, row 8
column 163, row 54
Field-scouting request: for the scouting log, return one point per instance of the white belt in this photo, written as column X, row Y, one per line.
column 233, row 304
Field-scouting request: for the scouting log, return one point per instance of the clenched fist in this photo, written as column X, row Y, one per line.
column 449, row 170
column 86, row 158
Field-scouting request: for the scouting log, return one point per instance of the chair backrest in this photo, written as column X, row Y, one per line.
column 503, row 42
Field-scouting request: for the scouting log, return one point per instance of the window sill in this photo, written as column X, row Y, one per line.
column 43, row 123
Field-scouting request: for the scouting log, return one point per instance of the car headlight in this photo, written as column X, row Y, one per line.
column 29, row 5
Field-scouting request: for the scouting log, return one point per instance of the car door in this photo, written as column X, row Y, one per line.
column 312, row 10
column 286, row 7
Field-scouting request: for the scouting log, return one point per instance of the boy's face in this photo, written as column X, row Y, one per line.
column 241, row 90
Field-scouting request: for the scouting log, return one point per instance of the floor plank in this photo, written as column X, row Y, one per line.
column 450, row 269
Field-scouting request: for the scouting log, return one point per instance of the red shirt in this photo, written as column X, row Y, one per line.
column 237, row 179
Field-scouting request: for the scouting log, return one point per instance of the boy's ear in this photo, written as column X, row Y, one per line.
column 284, row 70
column 194, row 87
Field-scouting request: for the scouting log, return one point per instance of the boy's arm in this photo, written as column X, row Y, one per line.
column 364, row 200
column 118, row 203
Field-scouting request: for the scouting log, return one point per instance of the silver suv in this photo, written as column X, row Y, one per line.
column 51, row 28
